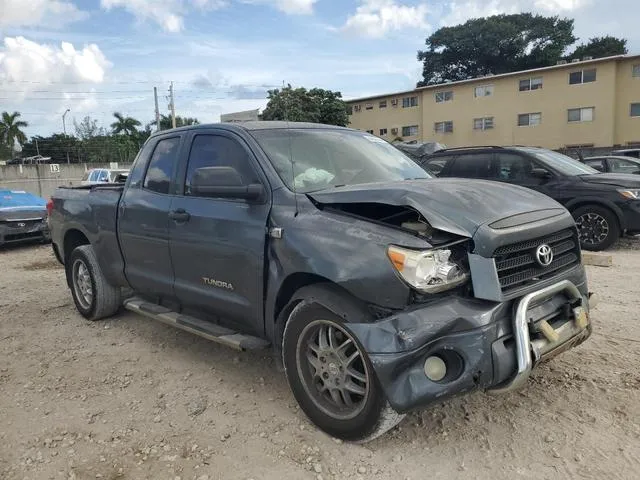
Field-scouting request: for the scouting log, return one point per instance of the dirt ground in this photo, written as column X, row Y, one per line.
column 133, row 399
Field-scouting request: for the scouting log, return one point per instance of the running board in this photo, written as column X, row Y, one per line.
column 202, row 328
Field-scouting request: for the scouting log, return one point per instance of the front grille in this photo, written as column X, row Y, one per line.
column 517, row 265
column 21, row 224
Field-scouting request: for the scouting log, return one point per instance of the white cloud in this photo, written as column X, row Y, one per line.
column 461, row 11
column 375, row 18
column 22, row 60
column 169, row 14
column 28, row 13
column 293, row 7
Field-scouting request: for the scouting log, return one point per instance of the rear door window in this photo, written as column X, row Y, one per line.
column 472, row 165
column 620, row 165
column 438, row 165
column 597, row 163
column 161, row 165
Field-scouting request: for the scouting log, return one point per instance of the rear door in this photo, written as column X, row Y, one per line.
column 218, row 244
column 143, row 218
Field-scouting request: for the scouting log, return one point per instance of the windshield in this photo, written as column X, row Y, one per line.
column 324, row 158
column 561, row 163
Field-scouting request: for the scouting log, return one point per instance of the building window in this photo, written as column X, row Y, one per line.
column 582, row 76
column 483, row 91
column 382, row 104
column 349, row 109
column 383, row 132
column 580, row 114
column 410, row 131
column 394, row 102
column 370, row 131
column 409, row 102
column 444, row 96
column 443, row 127
column 368, row 106
column 534, row 83
column 635, row 72
column 485, row 123
column 529, row 119
column 635, row 110
column 357, row 108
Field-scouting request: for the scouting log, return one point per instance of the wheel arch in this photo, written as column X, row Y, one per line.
column 306, row 286
column 599, row 202
column 73, row 238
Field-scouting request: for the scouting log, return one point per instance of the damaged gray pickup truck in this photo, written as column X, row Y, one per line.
column 382, row 290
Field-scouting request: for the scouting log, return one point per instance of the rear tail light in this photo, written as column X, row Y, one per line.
column 49, row 207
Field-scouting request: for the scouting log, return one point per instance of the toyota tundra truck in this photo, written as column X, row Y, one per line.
column 380, row 289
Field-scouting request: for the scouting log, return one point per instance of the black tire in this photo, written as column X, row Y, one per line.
column 598, row 227
column 83, row 270
column 372, row 416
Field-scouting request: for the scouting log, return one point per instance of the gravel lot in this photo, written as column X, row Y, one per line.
column 134, row 399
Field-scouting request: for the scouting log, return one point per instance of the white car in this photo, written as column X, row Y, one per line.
column 104, row 175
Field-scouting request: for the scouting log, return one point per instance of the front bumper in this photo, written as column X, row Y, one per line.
column 631, row 216
column 17, row 231
column 486, row 345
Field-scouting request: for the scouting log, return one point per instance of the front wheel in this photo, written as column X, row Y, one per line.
column 331, row 376
column 597, row 227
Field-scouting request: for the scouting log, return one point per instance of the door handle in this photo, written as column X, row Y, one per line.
column 180, row 215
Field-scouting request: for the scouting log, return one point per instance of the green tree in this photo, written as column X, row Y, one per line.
column 87, row 128
column 494, row 45
column 10, row 130
column 165, row 122
column 127, row 125
column 599, row 47
column 301, row 105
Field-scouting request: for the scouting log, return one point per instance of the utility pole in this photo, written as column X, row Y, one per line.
column 155, row 96
column 64, row 129
column 172, row 106
column 37, row 149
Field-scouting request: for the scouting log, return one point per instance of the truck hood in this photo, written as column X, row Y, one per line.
column 453, row 205
column 626, row 180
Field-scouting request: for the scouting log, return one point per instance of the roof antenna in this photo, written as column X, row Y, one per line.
column 293, row 173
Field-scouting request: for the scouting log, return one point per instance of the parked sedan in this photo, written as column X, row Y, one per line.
column 23, row 217
column 104, row 175
column 614, row 164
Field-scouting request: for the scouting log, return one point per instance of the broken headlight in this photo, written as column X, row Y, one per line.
column 429, row 271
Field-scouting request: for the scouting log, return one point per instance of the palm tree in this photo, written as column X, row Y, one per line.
column 126, row 125
column 10, row 129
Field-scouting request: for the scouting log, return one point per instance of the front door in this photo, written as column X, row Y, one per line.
column 217, row 245
column 143, row 219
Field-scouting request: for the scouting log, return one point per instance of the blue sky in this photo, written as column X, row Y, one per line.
column 100, row 56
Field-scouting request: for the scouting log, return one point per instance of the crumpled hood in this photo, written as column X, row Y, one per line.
column 626, row 180
column 452, row 205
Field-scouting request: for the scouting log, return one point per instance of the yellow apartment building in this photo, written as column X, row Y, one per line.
column 589, row 103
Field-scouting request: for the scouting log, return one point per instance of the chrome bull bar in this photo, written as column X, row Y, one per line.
column 565, row 337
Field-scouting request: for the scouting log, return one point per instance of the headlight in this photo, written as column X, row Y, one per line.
column 630, row 194
column 428, row 271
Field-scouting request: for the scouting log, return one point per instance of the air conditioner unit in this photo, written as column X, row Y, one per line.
column 575, row 60
column 394, row 131
column 561, row 62
column 587, row 58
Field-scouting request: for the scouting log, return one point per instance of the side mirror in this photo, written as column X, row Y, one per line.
column 223, row 182
column 541, row 173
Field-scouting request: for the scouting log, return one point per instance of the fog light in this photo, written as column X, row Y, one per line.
column 435, row 369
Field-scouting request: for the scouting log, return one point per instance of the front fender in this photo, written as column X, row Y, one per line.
column 577, row 202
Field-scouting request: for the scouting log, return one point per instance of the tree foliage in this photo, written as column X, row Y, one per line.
column 127, row 125
column 10, row 130
column 302, row 105
column 494, row 45
column 166, row 124
column 87, row 128
column 599, row 47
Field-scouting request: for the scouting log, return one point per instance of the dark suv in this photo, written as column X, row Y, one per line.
column 605, row 205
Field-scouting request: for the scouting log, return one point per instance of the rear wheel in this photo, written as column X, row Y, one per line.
column 597, row 227
column 331, row 376
column 94, row 297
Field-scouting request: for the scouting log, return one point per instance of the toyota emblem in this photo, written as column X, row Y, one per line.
column 544, row 255
column 22, row 224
